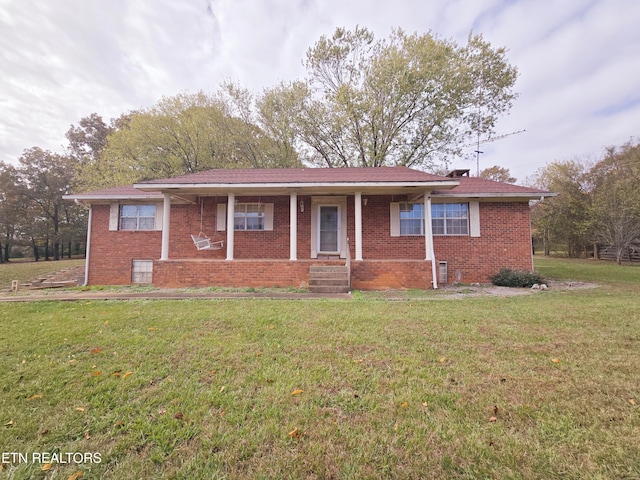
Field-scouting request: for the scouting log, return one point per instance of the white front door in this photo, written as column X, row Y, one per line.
column 329, row 229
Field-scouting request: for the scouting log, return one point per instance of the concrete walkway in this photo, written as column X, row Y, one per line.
column 66, row 296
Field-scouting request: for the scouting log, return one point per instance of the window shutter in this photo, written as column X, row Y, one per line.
column 159, row 215
column 268, row 216
column 474, row 219
column 394, row 215
column 114, row 214
column 221, row 217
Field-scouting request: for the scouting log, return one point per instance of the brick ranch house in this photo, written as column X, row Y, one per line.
column 323, row 228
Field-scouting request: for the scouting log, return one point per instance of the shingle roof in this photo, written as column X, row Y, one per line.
column 480, row 186
column 301, row 175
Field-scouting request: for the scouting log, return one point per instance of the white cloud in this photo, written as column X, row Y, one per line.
column 63, row 60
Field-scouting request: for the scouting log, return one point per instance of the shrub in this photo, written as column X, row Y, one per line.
column 516, row 278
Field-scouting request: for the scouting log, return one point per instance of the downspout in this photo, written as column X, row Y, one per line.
column 88, row 249
column 428, row 230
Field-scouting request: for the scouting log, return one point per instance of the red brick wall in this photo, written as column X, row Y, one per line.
column 112, row 252
column 504, row 242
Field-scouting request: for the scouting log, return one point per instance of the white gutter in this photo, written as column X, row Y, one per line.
column 88, row 249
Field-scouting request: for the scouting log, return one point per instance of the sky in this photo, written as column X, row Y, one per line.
column 578, row 62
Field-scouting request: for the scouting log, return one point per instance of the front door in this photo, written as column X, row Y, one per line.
column 329, row 229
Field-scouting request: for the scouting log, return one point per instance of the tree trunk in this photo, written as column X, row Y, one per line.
column 36, row 254
column 595, row 252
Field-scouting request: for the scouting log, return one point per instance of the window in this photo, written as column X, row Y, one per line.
column 249, row 216
column 411, row 219
column 137, row 217
column 450, row 218
column 142, row 271
column 446, row 218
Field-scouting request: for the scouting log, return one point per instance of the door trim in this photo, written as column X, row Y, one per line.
column 341, row 203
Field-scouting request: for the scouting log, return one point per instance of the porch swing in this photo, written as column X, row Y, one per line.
column 202, row 241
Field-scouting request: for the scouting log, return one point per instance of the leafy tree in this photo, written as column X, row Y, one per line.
column 406, row 100
column 498, row 174
column 565, row 219
column 616, row 199
column 88, row 139
column 42, row 179
column 12, row 212
column 182, row 134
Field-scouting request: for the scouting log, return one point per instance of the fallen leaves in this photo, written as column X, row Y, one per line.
column 80, row 409
column 127, row 374
column 9, row 423
column 46, row 467
column 97, row 373
column 295, row 433
column 404, row 404
column 443, row 359
column 34, row 397
column 297, row 392
column 555, row 360
column 76, row 475
column 632, row 401
column 493, row 419
column 95, row 350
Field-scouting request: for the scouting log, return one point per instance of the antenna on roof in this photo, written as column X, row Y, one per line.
column 477, row 151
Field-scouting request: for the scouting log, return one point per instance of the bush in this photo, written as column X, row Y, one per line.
column 516, row 278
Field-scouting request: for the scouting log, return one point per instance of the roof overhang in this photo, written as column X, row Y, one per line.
column 496, row 197
column 310, row 188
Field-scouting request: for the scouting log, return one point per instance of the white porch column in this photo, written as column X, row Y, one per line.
column 166, row 221
column 293, row 226
column 428, row 238
column 231, row 213
column 358, row 219
column 428, row 230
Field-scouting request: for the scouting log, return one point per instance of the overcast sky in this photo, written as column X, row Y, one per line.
column 578, row 62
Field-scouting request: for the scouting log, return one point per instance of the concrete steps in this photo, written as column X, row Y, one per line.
column 328, row 279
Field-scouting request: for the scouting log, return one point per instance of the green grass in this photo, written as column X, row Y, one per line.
column 588, row 270
column 390, row 389
column 26, row 271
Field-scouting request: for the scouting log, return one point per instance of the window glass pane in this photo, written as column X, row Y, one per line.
column 129, row 211
column 438, row 226
column 456, row 210
column 457, row 226
column 128, row 223
column 411, row 227
column 146, row 223
column 147, row 210
column 437, row 210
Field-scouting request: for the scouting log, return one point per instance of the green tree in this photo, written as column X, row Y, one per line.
column 182, row 134
column 12, row 211
column 498, row 174
column 616, row 199
column 564, row 220
column 42, row 179
column 406, row 100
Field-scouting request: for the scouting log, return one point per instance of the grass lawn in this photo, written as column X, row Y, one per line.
column 26, row 271
column 537, row 386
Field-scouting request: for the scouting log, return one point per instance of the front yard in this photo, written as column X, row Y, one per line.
column 533, row 386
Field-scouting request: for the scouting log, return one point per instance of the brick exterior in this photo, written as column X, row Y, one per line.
column 261, row 258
